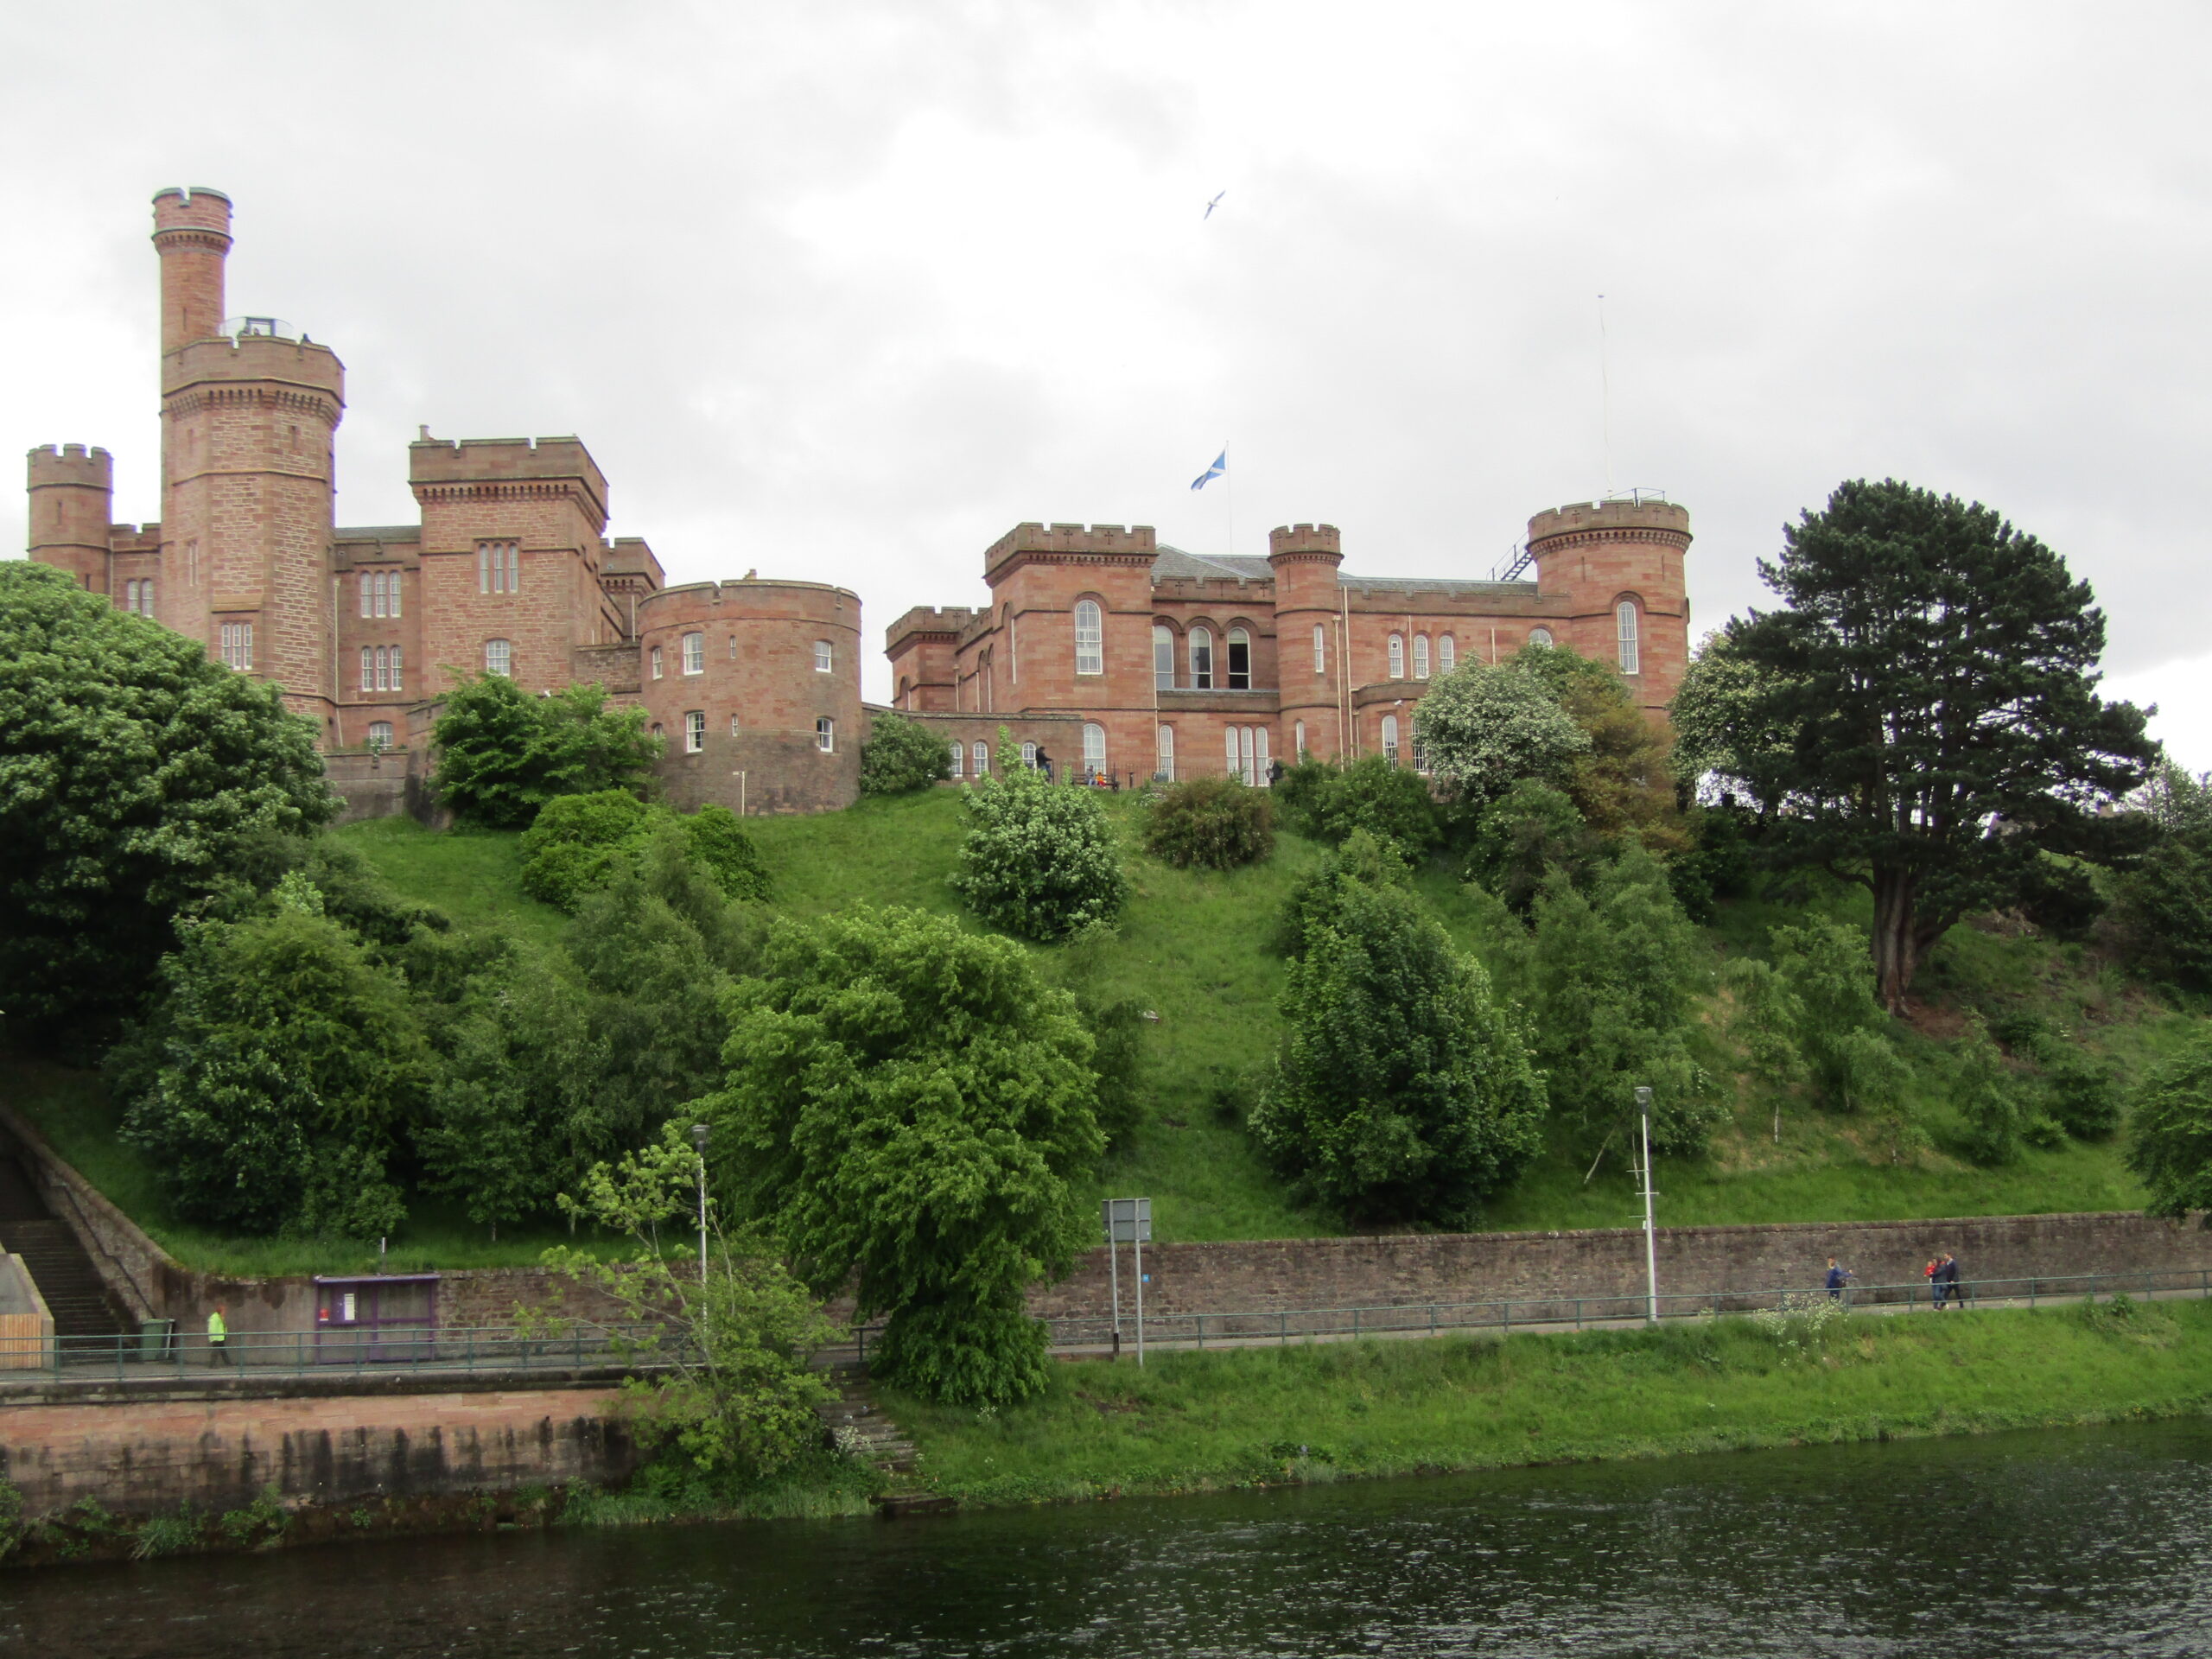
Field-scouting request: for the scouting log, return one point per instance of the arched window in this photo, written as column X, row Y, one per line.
column 655, row 656
column 1163, row 659
column 1539, row 636
column 695, row 731
column 1397, row 657
column 1298, row 742
column 1236, row 762
column 979, row 756
column 1420, row 656
column 1029, row 756
column 959, row 756
column 1240, row 660
column 825, row 659
column 1201, row 659
column 1625, row 614
column 1163, row 768
column 1090, row 638
column 694, row 653
column 1390, row 739
column 379, row 734
column 1094, row 750
column 825, row 735
column 499, row 656
column 1320, row 648
column 1447, row 655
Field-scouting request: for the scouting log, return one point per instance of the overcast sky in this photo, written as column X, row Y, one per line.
column 842, row 291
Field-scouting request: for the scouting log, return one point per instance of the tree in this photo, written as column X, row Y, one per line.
column 2170, row 1132
column 1038, row 859
column 1824, row 967
column 1722, row 729
column 1523, row 836
column 1330, row 802
column 502, row 753
column 1765, row 1016
column 578, row 842
column 1614, row 976
column 734, row 1386
column 1219, row 823
column 1996, row 1112
column 912, row 1112
column 1621, row 782
column 902, row 755
column 1935, row 672
column 1484, row 728
column 1404, row 1092
column 270, row 1088
column 134, row 771
column 2164, row 903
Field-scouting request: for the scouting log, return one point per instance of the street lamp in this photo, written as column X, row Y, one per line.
column 699, row 1140
column 1650, row 1240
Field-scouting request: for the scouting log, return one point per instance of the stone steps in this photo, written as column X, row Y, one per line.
column 72, row 1287
column 857, row 1421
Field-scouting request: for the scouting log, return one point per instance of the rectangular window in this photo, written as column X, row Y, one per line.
column 1090, row 638
column 499, row 567
column 379, row 734
column 498, row 657
column 824, row 657
column 1447, row 655
column 694, row 653
column 369, row 583
column 368, row 668
column 655, row 656
column 1420, row 656
column 959, row 756
column 1629, row 652
column 396, row 684
column 825, row 735
column 391, row 591
column 1320, row 649
column 695, row 731
column 1240, row 660
column 235, row 641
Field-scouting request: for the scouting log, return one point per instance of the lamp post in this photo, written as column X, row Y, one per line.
column 1651, row 1239
column 699, row 1140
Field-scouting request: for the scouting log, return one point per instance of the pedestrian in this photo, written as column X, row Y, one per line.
column 1947, row 1282
column 218, row 1338
column 1838, row 1276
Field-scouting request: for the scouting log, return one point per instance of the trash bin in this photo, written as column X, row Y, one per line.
column 157, row 1339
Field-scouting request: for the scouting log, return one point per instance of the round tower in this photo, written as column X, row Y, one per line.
column 1309, row 637
column 1620, row 566
column 72, row 494
column 739, row 677
column 249, row 409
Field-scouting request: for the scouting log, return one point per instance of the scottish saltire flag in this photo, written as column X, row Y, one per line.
column 1220, row 466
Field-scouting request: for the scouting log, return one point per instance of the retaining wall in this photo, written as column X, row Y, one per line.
column 153, row 1457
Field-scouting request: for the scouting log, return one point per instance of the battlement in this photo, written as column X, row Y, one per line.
column 1312, row 541
column 195, row 209
column 927, row 619
column 1108, row 541
column 820, row 603
column 504, row 460
column 628, row 555
column 216, row 359
column 72, row 464
column 1582, row 517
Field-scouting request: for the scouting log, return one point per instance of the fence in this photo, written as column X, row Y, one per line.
column 158, row 1353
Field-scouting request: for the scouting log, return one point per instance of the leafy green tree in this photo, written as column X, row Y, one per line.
column 902, row 755
column 1404, row 1091
column 270, row 1088
column 1484, row 728
column 1217, row 823
column 1117, row 1024
column 1038, row 859
column 1935, row 672
column 1523, row 837
column 1620, row 781
column 1723, row 730
column 1824, row 966
column 2083, row 1096
column 1765, row 1016
column 1365, row 859
column 2164, row 903
column 733, row 1387
column 1615, row 975
column 2170, row 1131
column 1995, row 1109
column 913, row 1112
column 576, row 842
column 503, row 753
column 718, row 846
column 1328, row 802
column 133, row 772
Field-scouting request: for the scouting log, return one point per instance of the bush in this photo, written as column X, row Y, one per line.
column 1990, row 1099
column 720, row 846
column 1717, row 863
column 1484, row 728
column 1365, row 859
column 579, row 842
column 900, row 755
column 1328, row 802
column 1219, row 823
column 2170, row 1137
column 2084, row 1097
column 1038, row 859
column 1523, row 837
column 502, row 753
column 1827, row 969
column 1404, row 1092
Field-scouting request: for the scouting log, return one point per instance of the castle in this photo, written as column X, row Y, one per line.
column 1100, row 649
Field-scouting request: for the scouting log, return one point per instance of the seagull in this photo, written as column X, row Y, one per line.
column 1210, row 205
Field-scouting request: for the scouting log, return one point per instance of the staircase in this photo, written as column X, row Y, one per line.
column 75, row 1296
column 873, row 1437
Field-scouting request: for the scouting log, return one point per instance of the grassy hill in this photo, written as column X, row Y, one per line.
column 1194, row 947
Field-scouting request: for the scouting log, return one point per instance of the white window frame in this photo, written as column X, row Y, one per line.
column 1298, row 741
column 1447, row 654
column 1390, row 739
column 1397, row 657
column 380, row 734
column 825, row 735
column 959, row 758
column 1320, row 647
column 1164, row 754
column 1200, row 649
column 368, row 668
column 656, row 663
column 825, row 657
column 1094, row 754
column 694, row 653
column 695, row 731
column 1628, row 636
column 234, row 640
column 1420, row 656
column 979, row 759
column 1239, row 637
column 1163, row 657
column 1089, row 636
column 1539, row 636
column 1029, row 756
column 499, row 657
column 499, row 567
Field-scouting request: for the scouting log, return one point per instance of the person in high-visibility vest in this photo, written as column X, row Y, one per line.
column 218, row 1339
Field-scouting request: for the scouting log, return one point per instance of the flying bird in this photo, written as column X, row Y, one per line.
column 1210, row 205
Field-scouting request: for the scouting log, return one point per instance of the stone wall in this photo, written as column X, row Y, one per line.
column 1341, row 1273
column 154, row 1457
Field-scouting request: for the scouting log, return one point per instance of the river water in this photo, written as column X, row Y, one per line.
column 2094, row 1542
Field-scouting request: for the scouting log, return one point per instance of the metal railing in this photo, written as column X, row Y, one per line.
column 158, row 1353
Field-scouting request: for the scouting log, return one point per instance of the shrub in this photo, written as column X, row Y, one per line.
column 1829, row 971
column 1328, row 802
column 1484, row 728
column 720, row 846
column 900, row 755
column 1365, row 859
column 1038, row 859
column 1403, row 1092
column 2170, row 1136
column 1219, row 823
column 503, row 753
column 1523, row 836
column 2084, row 1097
column 576, row 842
column 1990, row 1099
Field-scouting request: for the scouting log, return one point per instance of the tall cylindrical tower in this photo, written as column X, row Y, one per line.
column 72, row 492
column 1309, row 645
column 1621, row 565
column 248, row 412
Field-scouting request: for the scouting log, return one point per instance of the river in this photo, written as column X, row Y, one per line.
column 2091, row 1542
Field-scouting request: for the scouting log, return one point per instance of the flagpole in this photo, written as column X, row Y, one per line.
column 1229, row 495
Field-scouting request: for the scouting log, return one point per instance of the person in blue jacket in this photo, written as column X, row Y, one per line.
column 1838, row 1276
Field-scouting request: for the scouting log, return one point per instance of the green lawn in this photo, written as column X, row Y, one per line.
column 1194, row 1421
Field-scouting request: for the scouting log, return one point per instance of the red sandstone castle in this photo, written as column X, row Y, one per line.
column 1112, row 654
